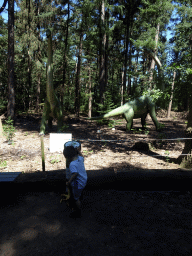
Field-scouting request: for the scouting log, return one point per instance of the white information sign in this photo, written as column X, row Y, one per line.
column 57, row 141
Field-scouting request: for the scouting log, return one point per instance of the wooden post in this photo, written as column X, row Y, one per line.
column 42, row 154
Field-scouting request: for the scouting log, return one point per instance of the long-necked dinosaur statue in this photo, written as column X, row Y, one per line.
column 52, row 108
column 137, row 108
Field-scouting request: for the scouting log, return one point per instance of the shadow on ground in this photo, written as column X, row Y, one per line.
column 113, row 223
column 124, row 217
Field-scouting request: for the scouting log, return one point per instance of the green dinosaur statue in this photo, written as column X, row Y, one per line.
column 137, row 108
column 52, row 108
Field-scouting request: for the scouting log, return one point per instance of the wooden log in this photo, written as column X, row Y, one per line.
column 133, row 179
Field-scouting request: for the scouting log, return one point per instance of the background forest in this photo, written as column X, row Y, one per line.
column 102, row 53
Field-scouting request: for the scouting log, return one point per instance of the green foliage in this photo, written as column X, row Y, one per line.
column 3, row 163
column 139, row 18
column 9, row 129
column 146, row 132
column 54, row 159
column 135, row 131
column 108, row 106
column 3, row 105
column 112, row 123
column 155, row 94
column 161, row 136
column 167, row 156
column 65, row 127
column 85, row 152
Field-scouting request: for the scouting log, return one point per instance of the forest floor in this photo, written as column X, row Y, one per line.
column 24, row 155
column 113, row 222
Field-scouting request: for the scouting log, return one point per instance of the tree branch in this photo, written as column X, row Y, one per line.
column 3, row 6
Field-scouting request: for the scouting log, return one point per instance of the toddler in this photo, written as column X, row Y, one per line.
column 76, row 177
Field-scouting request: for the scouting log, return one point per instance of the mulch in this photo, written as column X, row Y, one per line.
column 113, row 222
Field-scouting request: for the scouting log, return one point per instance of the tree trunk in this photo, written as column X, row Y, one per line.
column 122, row 82
column 38, row 88
column 77, row 87
column 106, row 50
column 90, row 93
column 27, row 100
column 188, row 131
column 102, row 53
column 65, row 57
column 49, row 85
column 171, row 98
column 125, row 63
column 130, row 64
column 11, row 89
column 38, row 93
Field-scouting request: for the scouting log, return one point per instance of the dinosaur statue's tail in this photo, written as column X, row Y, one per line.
column 117, row 111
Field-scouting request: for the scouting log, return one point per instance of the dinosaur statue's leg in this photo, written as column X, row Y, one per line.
column 143, row 121
column 129, row 118
column 132, row 124
column 154, row 118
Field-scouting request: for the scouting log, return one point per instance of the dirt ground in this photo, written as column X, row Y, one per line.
column 25, row 154
column 113, row 222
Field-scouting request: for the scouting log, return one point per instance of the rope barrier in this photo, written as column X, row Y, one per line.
column 140, row 139
column 165, row 155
